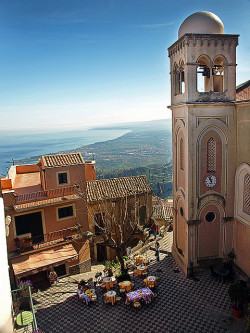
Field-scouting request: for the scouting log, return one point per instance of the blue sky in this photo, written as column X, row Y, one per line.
column 76, row 63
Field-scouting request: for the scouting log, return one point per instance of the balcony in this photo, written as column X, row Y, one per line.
column 27, row 244
column 43, row 195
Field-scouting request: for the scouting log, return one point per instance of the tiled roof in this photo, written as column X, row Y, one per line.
column 46, row 202
column 242, row 86
column 116, row 187
column 162, row 212
column 50, row 161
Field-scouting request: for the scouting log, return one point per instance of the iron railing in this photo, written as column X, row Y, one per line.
column 47, row 194
column 37, row 242
column 18, row 303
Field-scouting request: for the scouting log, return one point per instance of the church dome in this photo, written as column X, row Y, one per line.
column 201, row 23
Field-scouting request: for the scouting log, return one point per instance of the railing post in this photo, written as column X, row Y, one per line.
column 32, row 309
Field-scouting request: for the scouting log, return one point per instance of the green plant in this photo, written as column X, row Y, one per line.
column 238, row 293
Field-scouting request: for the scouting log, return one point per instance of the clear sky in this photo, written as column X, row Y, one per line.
column 75, row 63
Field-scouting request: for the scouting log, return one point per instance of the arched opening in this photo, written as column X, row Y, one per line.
column 218, row 75
column 176, row 80
column 182, row 77
column 203, row 75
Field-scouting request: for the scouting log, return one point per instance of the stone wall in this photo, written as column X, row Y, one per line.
column 83, row 267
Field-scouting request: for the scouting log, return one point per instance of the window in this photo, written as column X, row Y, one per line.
column 218, row 75
column 65, row 212
column 211, row 154
column 181, row 212
column 182, row 154
column 210, row 217
column 182, row 78
column 62, row 178
column 246, row 194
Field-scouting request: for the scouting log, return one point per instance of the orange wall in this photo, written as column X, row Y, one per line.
column 76, row 175
column 90, row 173
column 6, row 184
column 49, row 217
column 27, row 168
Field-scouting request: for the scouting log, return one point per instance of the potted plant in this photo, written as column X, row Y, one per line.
column 238, row 294
column 24, row 285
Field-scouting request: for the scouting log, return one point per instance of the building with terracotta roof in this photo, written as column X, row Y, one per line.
column 113, row 199
column 49, row 220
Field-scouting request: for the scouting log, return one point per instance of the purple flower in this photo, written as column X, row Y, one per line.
column 25, row 284
column 38, row 331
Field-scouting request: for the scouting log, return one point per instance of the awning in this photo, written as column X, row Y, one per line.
column 39, row 261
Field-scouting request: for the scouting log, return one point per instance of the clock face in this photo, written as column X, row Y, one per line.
column 210, row 181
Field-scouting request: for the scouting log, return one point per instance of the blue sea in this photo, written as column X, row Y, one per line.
column 23, row 146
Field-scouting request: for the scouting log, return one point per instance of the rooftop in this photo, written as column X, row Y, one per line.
column 116, row 187
column 59, row 160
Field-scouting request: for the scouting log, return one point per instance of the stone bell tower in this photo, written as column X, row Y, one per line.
column 203, row 79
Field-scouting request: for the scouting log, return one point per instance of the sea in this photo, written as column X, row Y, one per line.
column 22, row 146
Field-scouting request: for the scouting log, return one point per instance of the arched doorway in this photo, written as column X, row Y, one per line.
column 209, row 232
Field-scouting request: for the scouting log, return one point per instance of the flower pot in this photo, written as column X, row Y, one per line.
column 237, row 313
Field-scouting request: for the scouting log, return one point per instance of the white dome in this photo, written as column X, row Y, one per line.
column 201, row 23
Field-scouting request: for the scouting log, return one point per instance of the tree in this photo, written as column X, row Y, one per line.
column 117, row 221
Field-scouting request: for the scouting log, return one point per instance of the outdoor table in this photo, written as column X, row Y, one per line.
column 125, row 285
column 111, row 295
column 222, row 272
column 141, row 269
column 24, row 319
column 146, row 294
column 150, row 281
column 90, row 293
column 108, row 282
column 139, row 260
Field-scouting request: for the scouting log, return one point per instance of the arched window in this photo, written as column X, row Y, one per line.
column 203, row 75
column 211, row 155
column 218, row 75
column 182, row 154
column 246, row 194
column 182, row 78
column 176, row 80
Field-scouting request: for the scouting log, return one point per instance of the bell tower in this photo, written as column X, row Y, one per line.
column 203, row 81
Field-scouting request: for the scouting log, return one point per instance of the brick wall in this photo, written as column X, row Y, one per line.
column 83, row 267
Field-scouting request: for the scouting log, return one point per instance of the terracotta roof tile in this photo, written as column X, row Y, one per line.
column 46, row 202
column 50, row 161
column 162, row 211
column 116, row 187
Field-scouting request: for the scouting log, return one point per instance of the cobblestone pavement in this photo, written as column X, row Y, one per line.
column 182, row 305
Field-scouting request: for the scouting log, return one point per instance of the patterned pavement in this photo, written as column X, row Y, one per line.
column 182, row 305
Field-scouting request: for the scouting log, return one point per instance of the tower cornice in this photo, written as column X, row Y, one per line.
column 200, row 39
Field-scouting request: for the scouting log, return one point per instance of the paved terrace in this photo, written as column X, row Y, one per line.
column 182, row 305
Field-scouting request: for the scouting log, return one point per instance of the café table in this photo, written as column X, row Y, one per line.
column 134, row 296
column 141, row 270
column 109, row 282
column 150, row 281
column 24, row 319
column 91, row 294
column 111, row 296
column 125, row 285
